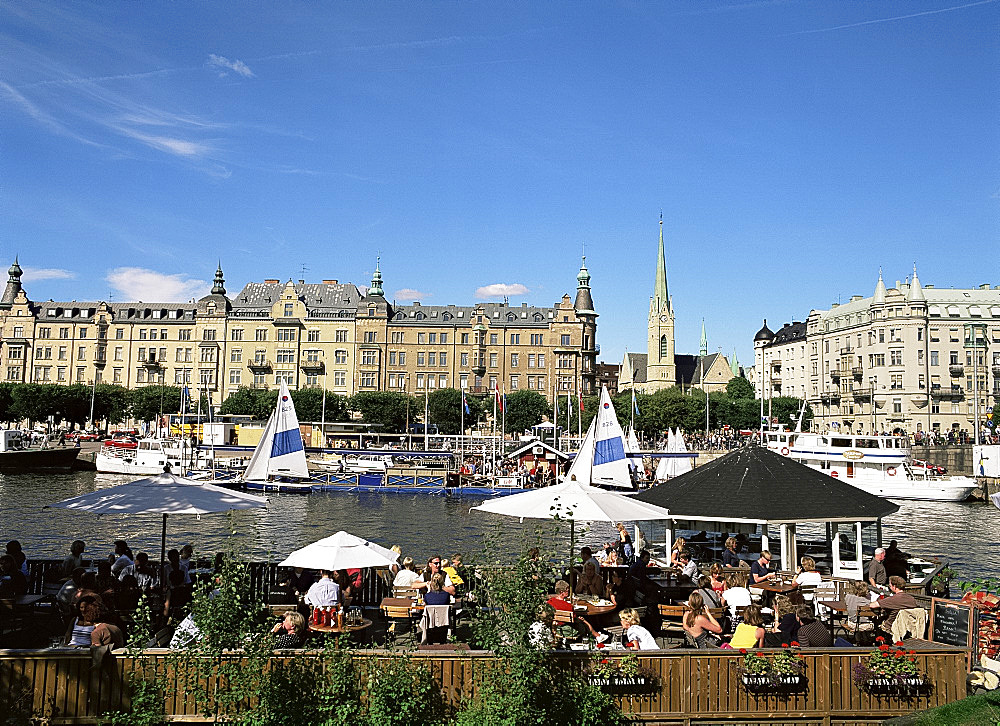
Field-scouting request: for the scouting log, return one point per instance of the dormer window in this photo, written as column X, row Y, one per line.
column 371, row 312
column 289, row 309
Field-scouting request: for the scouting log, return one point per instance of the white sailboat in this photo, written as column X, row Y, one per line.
column 683, row 464
column 601, row 460
column 280, row 452
column 632, row 449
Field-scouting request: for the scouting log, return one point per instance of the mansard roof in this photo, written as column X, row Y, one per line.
column 53, row 311
column 340, row 299
column 495, row 313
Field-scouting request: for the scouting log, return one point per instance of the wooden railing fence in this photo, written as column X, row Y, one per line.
column 688, row 687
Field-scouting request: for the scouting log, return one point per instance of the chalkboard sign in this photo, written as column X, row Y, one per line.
column 952, row 622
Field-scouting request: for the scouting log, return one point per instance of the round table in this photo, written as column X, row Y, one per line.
column 592, row 609
column 347, row 629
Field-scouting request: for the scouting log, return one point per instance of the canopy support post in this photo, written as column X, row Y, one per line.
column 163, row 555
column 764, row 543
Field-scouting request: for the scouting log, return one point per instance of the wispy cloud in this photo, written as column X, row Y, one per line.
column 33, row 274
column 501, row 289
column 408, row 294
column 138, row 283
column 180, row 147
column 890, row 20
column 223, row 66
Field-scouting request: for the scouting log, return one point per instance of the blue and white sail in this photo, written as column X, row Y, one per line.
column 601, row 460
column 280, row 451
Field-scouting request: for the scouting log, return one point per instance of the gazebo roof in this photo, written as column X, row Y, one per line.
column 754, row 484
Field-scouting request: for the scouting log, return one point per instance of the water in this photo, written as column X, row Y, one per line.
column 964, row 534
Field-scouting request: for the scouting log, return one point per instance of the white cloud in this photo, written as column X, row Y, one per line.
column 180, row 147
column 137, row 283
column 501, row 289
column 224, row 64
column 33, row 274
column 407, row 294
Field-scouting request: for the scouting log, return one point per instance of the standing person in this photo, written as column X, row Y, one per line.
column 895, row 562
column 877, row 576
column 625, row 550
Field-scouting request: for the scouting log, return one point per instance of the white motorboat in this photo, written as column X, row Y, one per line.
column 145, row 456
column 358, row 464
column 879, row 465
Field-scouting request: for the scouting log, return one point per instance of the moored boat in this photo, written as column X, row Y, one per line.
column 16, row 457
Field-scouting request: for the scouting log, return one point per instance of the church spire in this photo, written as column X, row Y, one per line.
column 661, row 297
column 376, row 288
column 219, row 286
column 703, row 348
column 584, row 302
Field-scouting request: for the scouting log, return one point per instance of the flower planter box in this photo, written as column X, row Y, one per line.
column 621, row 684
column 895, row 684
column 765, row 683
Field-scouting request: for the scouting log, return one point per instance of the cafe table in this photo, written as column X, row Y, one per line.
column 356, row 627
column 840, row 608
column 592, row 608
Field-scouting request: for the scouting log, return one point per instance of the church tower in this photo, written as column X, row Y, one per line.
column 661, row 370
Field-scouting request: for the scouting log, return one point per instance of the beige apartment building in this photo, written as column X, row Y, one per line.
column 328, row 334
column 911, row 357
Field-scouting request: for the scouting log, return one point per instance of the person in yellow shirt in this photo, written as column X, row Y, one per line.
column 452, row 570
column 749, row 633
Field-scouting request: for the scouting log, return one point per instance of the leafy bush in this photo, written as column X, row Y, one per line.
column 402, row 692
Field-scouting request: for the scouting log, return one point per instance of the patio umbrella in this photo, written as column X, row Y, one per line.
column 341, row 551
column 574, row 501
column 163, row 494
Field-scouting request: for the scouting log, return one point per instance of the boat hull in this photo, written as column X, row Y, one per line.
column 919, row 490
column 119, row 465
column 29, row 460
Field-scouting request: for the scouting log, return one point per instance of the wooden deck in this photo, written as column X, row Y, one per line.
column 688, row 687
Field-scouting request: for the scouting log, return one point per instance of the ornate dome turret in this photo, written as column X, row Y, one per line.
column 764, row 333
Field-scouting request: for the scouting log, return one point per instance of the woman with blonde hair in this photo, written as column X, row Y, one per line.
column 680, row 544
column 718, row 578
column 857, row 596
column 730, row 555
column 699, row 624
column 636, row 635
column 291, row 631
column 749, row 633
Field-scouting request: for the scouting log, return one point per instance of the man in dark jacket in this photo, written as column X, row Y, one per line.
column 812, row 633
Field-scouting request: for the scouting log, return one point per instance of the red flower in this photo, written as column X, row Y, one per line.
column 795, row 644
column 599, row 645
column 880, row 639
column 883, row 647
column 743, row 651
column 899, row 654
column 784, row 645
column 604, row 661
column 898, row 643
column 913, row 652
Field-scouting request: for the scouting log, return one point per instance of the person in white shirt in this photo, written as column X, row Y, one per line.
column 540, row 632
column 407, row 576
column 689, row 568
column 736, row 594
column 635, row 633
column 807, row 573
column 324, row 593
column 185, row 561
column 587, row 555
column 122, row 557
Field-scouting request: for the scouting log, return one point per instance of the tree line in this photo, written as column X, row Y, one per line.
column 393, row 410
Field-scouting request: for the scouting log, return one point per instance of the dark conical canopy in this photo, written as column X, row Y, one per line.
column 754, row 483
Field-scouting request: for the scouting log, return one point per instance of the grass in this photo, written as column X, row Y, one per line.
column 979, row 710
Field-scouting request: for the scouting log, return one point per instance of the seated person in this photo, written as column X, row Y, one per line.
column 760, row 570
column 73, row 560
column 808, row 574
column 67, row 593
column 636, row 636
column 899, row 600
column 858, row 596
column 291, row 631
column 718, row 577
column 540, row 631
column 347, row 587
column 812, row 633
column 434, row 567
column 301, row 580
column 689, row 568
column 709, row 596
column 680, row 544
column 107, row 581
column 324, row 593
column 86, row 612
column 121, row 559
column 143, row 572
column 786, row 628
column 730, row 556
column 702, row 629
column 178, row 598
column 615, row 590
column 587, row 555
column 407, row 576
column 128, row 594
column 590, row 583
column 456, row 573
column 13, row 583
column 435, row 591
column 560, row 601
column 749, row 633
column 638, row 578
column 736, row 594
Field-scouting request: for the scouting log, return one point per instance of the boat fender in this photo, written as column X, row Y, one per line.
column 784, row 451
column 891, row 471
column 834, row 474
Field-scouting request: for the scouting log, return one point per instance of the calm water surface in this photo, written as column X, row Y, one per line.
column 966, row 535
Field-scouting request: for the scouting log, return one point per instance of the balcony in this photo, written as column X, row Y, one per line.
column 861, row 394
column 847, row 350
column 996, row 370
column 956, row 371
column 260, row 365
column 776, row 377
column 312, row 367
column 829, row 396
column 835, row 374
column 857, row 372
column 946, row 392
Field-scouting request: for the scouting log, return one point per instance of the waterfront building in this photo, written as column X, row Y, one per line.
column 912, row 357
column 660, row 366
column 330, row 334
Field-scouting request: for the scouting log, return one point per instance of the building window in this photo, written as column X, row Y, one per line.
column 235, row 376
column 368, row 380
column 259, row 379
column 420, row 358
column 536, row 339
column 260, row 334
column 514, row 382
column 118, row 353
column 396, row 336
column 208, row 355
column 663, row 346
column 153, row 334
column 464, row 357
column 420, row 380
column 432, row 338
column 208, row 334
column 46, row 333
column 369, row 357
column 340, row 378
column 81, row 353
column 444, row 338
column 312, row 336
column 184, row 334
column 286, row 335
column 140, row 375
column 340, row 357
column 515, row 338
column 289, row 310
column 934, row 357
column 432, row 358
column 442, row 358
column 493, row 360
column 895, row 357
column 236, row 355
column 236, row 334
column 564, row 339
column 513, row 360
column 541, row 360
column 465, row 338
column 285, row 356
column 340, row 336
column 370, row 336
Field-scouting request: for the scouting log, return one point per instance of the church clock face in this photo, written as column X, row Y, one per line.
column 664, row 318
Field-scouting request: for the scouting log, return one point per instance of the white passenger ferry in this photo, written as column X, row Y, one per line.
column 880, row 465
column 146, row 456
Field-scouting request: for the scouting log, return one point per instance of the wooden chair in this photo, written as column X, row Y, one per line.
column 563, row 617
column 405, row 592
column 439, row 633
column 401, row 620
column 673, row 620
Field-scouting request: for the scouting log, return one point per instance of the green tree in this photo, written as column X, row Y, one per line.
column 739, row 387
column 75, row 402
column 110, row 403
column 309, row 405
column 7, row 400
column 35, row 401
column 255, row 402
column 445, row 406
column 524, row 410
column 388, row 408
column 147, row 403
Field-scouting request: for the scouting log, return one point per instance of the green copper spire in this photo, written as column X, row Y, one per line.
column 219, row 286
column 584, row 302
column 703, row 349
column 660, row 294
column 734, row 364
column 376, row 288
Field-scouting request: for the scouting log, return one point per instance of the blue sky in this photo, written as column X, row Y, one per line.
column 793, row 148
